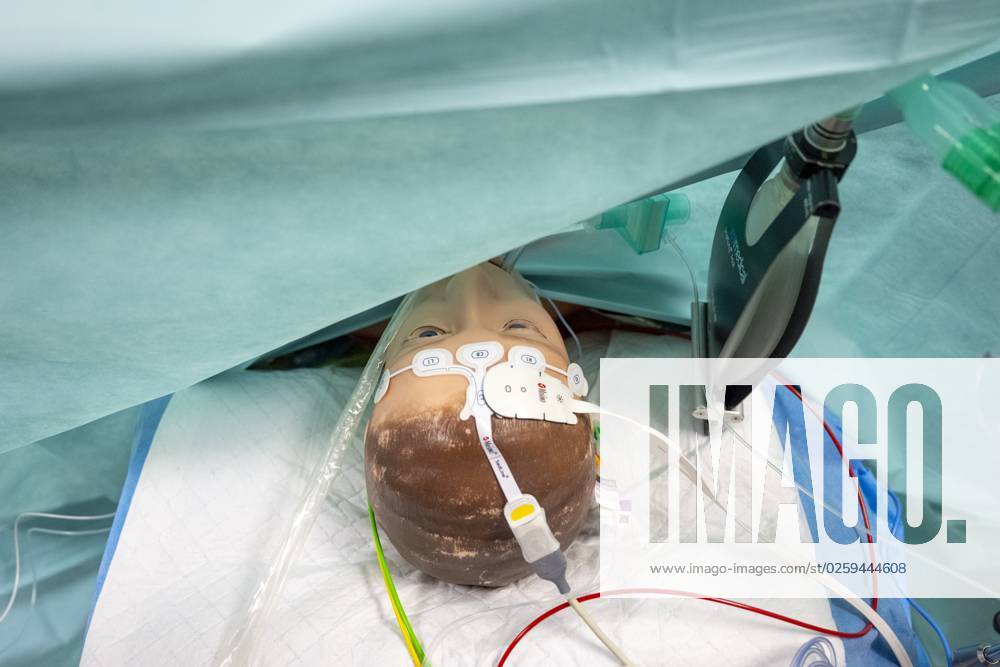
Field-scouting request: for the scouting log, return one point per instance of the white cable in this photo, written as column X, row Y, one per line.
column 871, row 615
column 689, row 469
column 17, row 548
column 576, row 341
column 680, row 253
column 880, row 624
column 447, row 630
column 909, row 552
column 51, row 531
column 510, row 259
column 864, row 532
column 582, row 612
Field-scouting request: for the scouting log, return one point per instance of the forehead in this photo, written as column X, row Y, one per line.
column 488, row 281
column 472, row 306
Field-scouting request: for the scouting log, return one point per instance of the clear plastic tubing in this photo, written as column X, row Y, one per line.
column 242, row 647
column 960, row 128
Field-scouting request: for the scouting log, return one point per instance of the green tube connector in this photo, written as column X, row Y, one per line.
column 642, row 223
column 962, row 130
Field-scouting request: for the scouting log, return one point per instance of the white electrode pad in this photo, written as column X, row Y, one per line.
column 523, row 387
column 480, row 355
column 474, row 362
column 525, row 393
column 527, row 357
column 431, row 362
column 576, row 380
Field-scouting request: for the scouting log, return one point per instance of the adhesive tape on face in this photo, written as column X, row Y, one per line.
column 524, row 393
column 431, row 362
column 528, row 357
column 577, row 380
column 480, row 355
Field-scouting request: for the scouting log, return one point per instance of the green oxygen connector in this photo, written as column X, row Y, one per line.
column 642, row 223
column 962, row 130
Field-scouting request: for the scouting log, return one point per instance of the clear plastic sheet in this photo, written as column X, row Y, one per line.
column 242, row 650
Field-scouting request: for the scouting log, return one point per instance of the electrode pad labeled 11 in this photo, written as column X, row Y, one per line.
column 431, row 362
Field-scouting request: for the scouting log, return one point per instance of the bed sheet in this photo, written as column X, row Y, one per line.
column 219, row 487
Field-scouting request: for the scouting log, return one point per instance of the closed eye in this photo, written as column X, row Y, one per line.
column 518, row 326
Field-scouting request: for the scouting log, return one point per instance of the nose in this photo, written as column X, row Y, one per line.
column 473, row 294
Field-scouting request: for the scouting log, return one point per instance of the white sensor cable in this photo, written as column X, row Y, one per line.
column 880, row 624
column 591, row 622
column 17, row 549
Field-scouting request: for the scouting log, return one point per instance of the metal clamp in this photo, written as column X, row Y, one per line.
column 734, row 416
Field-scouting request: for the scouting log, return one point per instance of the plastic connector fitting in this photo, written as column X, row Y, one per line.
column 526, row 518
column 642, row 223
column 961, row 129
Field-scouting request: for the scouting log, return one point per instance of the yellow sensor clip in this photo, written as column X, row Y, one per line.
column 526, row 518
column 520, row 510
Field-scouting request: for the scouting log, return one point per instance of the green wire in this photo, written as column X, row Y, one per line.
column 391, row 587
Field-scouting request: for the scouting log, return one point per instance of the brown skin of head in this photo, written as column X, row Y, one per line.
column 429, row 482
column 436, row 498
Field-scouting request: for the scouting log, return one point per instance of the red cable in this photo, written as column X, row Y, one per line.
column 861, row 498
column 731, row 603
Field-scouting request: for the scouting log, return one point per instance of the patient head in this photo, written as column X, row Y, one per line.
column 429, row 482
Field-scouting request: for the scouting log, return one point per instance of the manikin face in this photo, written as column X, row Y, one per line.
column 480, row 304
